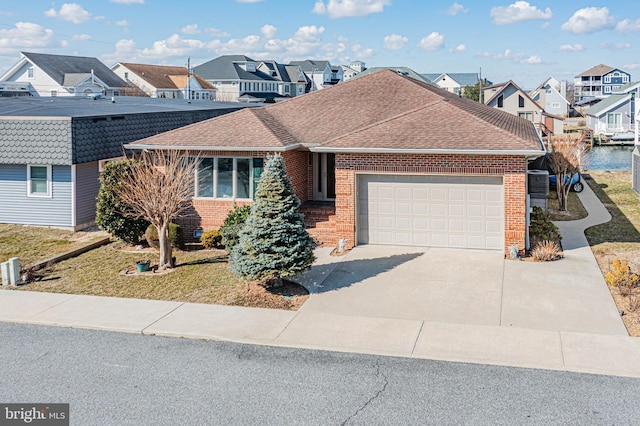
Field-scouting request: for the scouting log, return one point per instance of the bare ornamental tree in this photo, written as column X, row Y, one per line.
column 567, row 156
column 158, row 189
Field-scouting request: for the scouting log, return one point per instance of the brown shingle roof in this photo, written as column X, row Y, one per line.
column 253, row 127
column 600, row 69
column 381, row 110
column 165, row 77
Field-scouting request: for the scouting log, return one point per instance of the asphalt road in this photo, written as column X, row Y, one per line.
column 127, row 379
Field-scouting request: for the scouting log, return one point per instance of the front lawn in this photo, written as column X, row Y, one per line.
column 201, row 276
column 619, row 238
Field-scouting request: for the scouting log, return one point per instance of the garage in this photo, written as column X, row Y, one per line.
column 431, row 211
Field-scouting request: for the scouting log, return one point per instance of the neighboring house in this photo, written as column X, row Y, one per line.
column 161, row 81
column 599, row 81
column 10, row 89
column 418, row 166
column 615, row 116
column 292, row 81
column 551, row 95
column 456, row 82
column 405, row 71
column 238, row 79
column 59, row 75
column 337, row 74
column 319, row 73
column 509, row 97
column 51, row 150
column 354, row 68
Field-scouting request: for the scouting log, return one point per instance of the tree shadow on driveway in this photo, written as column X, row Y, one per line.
column 335, row 275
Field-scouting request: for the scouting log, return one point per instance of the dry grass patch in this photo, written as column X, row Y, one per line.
column 575, row 209
column 619, row 238
column 200, row 276
column 34, row 243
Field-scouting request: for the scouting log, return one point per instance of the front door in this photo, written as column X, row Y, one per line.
column 324, row 176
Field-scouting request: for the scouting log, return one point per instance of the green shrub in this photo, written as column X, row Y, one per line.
column 211, row 239
column 175, row 236
column 109, row 209
column 232, row 226
column 542, row 228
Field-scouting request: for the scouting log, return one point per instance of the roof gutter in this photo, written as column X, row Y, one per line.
column 527, row 152
column 135, row 145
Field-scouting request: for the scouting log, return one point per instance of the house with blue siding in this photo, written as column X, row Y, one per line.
column 551, row 95
column 599, row 82
column 52, row 150
column 615, row 116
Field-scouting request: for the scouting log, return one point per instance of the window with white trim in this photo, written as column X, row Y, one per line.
column 39, row 181
column 614, row 121
column 227, row 177
column 526, row 115
column 30, row 72
column 555, row 104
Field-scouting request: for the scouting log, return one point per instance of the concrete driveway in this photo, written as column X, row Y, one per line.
column 463, row 286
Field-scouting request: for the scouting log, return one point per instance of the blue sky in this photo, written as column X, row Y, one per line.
column 518, row 40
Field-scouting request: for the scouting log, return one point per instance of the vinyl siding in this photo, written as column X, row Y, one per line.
column 87, row 186
column 17, row 208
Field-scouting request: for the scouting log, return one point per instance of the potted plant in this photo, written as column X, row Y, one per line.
column 143, row 265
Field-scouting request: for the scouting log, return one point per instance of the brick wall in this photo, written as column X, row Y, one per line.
column 512, row 168
column 209, row 214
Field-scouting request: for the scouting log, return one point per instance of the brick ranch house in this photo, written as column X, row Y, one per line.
column 380, row 159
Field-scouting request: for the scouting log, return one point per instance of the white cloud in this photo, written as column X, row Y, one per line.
column 26, row 35
column 349, row 8
column 81, row 37
column 361, row 52
column 127, row 1
column 269, row 31
column 394, row 42
column 571, row 47
column 628, row 26
column 216, row 32
column 615, row 46
column 589, row 20
column 71, row 12
column 125, row 52
column 456, row 8
column 190, row 29
column 632, row 67
column 533, row 59
column 122, row 23
column 433, row 41
column 518, row 12
column 459, row 48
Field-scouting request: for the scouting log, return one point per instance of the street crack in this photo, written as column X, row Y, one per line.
column 374, row 397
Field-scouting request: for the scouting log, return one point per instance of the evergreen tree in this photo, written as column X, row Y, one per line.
column 110, row 210
column 274, row 242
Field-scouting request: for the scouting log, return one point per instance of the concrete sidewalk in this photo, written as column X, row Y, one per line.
column 525, row 330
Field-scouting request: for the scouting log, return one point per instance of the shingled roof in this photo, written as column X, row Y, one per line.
column 165, row 77
column 73, row 69
column 600, row 69
column 381, row 111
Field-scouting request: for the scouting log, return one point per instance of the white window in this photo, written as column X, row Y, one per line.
column 555, row 104
column 526, row 115
column 614, row 121
column 39, row 181
column 625, row 78
column 607, row 89
column 30, row 72
column 225, row 177
column 607, row 78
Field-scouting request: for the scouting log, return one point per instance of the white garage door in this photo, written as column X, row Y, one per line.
column 431, row 211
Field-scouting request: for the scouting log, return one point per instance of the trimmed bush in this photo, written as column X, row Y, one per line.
column 542, row 228
column 232, row 226
column 109, row 209
column 211, row 239
column 175, row 236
